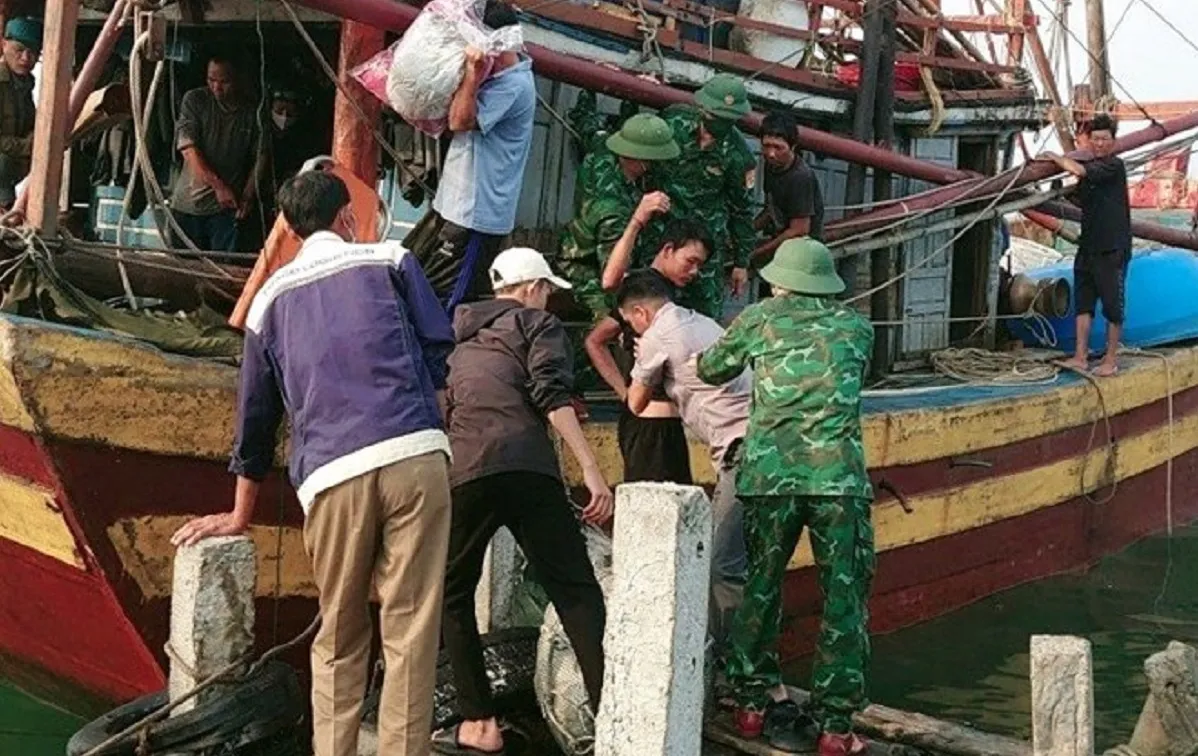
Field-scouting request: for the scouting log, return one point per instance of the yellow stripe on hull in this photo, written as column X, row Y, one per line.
column 30, row 516
column 144, row 547
column 126, row 395
column 974, row 505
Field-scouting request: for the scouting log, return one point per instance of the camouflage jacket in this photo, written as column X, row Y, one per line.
column 604, row 200
column 809, row 356
column 711, row 186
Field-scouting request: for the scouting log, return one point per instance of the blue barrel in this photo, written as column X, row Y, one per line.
column 1162, row 304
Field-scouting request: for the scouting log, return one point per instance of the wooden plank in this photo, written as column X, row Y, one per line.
column 596, row 20
column 981, row 24
column 53, row 116
column 891, row 726
column 958, row 64
column 702, row 15
column 921, row 731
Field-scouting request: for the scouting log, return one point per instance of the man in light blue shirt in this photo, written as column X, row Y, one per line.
column 491, row 118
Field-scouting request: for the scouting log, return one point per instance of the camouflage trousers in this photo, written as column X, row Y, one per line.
column 842, row 540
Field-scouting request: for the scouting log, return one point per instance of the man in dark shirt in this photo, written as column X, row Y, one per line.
column 1104, row 250
column 794, row 203
column 217, row 134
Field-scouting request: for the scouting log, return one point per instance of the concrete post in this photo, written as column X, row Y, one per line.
column 1062, row 696
column 212, row 612
column 497, row 589
column 656, row 623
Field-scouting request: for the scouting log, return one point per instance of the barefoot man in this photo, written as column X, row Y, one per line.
column 1104, row 250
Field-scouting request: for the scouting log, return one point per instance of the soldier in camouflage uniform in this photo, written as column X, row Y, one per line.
column 803, row 465
column 609, row 186
column 711, row 183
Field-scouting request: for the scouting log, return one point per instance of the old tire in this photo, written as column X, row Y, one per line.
column 257, row 709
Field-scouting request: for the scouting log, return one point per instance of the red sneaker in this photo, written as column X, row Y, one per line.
column 749, row 723
column 841, row 745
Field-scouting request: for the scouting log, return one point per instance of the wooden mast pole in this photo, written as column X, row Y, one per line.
column 1100, row 80
column 354, row 145
column 53, row 116
column 883, row 305
column 863, row 119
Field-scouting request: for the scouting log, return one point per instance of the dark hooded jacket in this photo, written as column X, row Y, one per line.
column 511, row 367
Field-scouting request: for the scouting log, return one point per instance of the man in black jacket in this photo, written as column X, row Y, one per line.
column 510, row 377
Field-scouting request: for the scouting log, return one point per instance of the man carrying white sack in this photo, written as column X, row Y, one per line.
column 491, row 117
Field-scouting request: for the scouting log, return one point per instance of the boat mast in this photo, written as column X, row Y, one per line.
column 1100, row 78
column 53, row 115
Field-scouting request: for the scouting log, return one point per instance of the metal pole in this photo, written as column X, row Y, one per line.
column 397, row 16
column 1032, row 172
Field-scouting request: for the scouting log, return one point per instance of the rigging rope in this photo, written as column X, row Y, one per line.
column 349, row 98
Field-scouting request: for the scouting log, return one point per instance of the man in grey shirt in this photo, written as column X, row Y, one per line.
column 718, row 416
column 218, row 135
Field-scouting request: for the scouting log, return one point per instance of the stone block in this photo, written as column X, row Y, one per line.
column 656, row 623
column 1062, row 696
column 212, row 612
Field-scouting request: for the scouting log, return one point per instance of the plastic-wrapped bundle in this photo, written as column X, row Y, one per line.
column 427, row 63
column 558, row 680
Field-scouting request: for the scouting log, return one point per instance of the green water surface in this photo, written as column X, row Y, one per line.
column 972, row 666
column 32, row 728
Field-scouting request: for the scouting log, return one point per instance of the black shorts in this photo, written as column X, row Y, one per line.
column 654, row 449
column 1101, row 277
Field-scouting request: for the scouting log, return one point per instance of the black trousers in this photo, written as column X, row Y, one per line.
column 441, row 247
column 536, row 510
column 654, row 449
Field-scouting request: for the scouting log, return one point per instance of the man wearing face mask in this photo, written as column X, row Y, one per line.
column 291, row 141
column 710, row 183
column 22, row 47
column 354, row 337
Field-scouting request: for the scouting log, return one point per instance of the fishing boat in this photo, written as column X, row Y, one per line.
column 108, row 443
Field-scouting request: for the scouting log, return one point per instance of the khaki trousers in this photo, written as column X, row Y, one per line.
column 391, row 526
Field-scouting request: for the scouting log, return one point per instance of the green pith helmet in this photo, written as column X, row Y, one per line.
column 26, row 30
column 644, row 137
column 804, row 266
column 724, row 96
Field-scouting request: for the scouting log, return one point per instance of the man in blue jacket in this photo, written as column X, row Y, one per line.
column 350, row 341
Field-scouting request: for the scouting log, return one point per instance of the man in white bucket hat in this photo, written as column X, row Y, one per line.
column 510, row 376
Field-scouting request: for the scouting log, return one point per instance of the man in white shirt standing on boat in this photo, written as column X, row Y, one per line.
column 350, row 341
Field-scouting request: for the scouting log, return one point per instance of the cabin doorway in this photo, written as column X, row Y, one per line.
column 973, row 263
